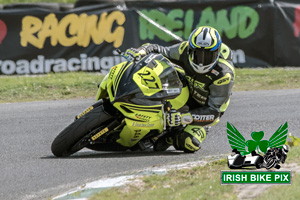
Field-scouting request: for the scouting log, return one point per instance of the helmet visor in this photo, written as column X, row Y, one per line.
column 205, row 56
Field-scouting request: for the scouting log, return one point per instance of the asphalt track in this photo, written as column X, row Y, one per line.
column 30, row 171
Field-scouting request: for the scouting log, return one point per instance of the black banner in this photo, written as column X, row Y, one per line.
column 287, row 34
column 37, row 39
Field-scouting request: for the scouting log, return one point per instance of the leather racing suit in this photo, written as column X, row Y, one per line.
column 209, row 92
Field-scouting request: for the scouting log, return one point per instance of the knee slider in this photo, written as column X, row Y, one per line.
column 187, row 142
column 191, row 144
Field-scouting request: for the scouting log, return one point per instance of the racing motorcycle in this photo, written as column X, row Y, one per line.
column 130, row 110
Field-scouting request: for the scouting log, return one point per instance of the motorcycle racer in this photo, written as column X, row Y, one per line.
column 275, row 156
column 209, row 72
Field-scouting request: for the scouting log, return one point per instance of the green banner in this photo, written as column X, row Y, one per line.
column 256, row 177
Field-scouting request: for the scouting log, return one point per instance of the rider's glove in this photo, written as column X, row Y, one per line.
column 135, row 54
column 177, row 119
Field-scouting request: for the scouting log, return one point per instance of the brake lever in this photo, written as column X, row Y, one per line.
column 122, row 54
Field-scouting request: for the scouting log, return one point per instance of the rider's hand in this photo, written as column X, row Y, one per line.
column 174, row 119
column 177, row 119
column 135, row 54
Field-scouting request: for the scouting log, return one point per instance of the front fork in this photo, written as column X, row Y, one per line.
column 110, row 127
column 166, row 108
column 95, row 105
column 94, row 135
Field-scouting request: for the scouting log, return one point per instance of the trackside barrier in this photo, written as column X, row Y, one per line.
column 50, row 37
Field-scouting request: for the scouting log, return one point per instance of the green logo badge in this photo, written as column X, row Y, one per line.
column 238, row 142
column 275, row 153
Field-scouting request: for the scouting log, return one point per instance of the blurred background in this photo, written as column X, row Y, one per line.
column 40, row 37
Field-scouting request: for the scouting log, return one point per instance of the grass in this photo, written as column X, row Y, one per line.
column 48, row 87
column 198, row 183
column 84, row 85
column 267, row 79
column 279, row 192
column 294, row 155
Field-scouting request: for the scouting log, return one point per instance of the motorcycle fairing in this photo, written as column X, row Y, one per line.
column 109, row 84
column 139, row 112
column 137, row 91
column 134, row 130
column 139, row 121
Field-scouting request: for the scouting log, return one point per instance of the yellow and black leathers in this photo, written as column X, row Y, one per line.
column 210, row 92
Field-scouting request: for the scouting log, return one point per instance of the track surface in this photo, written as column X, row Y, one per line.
column 29, row 171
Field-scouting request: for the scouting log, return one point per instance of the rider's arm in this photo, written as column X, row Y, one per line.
column 172, row 52
column 219, row 95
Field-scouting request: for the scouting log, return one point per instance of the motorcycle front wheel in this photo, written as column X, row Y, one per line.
column 67, row 142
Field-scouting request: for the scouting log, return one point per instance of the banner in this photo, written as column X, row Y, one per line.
column 287, row 34
column 36, row 40
column 243, row 27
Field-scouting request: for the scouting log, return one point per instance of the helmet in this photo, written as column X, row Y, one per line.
column 204, row 48
column 285, row 149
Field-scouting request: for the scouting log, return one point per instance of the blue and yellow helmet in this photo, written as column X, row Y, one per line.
column 204, row 48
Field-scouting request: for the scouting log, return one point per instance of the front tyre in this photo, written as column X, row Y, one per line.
column 63, row 144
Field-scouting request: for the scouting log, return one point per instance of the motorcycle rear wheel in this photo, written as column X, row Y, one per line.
column 63, row 145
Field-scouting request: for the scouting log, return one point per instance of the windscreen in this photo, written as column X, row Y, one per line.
column 149, row 81
column 169, row 85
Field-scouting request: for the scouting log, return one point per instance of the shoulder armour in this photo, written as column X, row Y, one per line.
column 226, row 52
column 222, row 69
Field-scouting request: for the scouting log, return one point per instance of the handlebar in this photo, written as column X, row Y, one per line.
column 123, row 55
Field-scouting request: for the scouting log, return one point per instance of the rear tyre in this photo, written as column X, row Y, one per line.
column 66, row 143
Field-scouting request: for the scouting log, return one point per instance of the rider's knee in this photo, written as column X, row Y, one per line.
column 190, row 139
